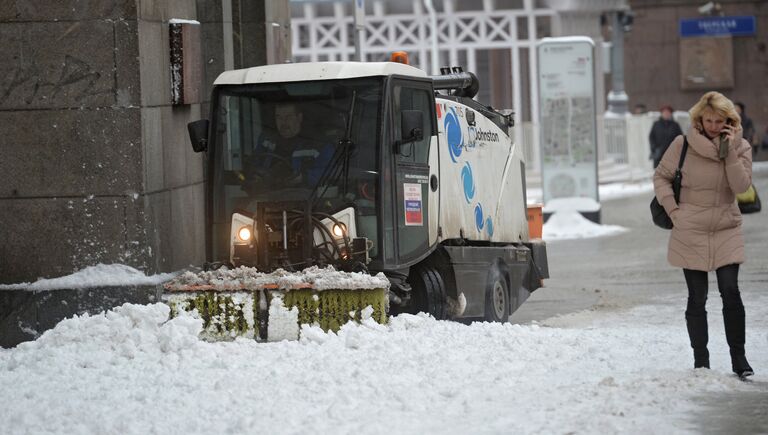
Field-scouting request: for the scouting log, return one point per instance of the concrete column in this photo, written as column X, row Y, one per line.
column 264, row 32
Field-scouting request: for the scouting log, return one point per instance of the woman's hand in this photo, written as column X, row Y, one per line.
column 673, row 216
column 730, row 133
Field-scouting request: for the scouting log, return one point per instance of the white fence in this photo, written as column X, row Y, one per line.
column 623, row 148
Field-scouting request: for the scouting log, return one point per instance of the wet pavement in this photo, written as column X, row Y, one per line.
column 735, row 413
column 622, row 271
column 631, row 268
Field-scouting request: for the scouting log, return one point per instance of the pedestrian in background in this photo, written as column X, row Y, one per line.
column 764, row 143
column 664, row 130
column 707, row 222
column 748, row 126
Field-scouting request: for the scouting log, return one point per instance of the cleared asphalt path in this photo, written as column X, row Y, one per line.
column 631, row 268
column 619, row 272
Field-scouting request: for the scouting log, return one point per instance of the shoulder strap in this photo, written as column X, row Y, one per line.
column 682, row 153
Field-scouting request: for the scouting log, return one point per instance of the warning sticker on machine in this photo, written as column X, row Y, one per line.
column 413, row 204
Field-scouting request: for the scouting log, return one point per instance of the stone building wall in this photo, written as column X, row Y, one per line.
column 95, row 162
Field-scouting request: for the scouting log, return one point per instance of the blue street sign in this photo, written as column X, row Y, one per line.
column 713, row 26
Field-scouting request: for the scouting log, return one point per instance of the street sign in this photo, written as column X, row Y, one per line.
column 359, row 14
column 714, row 26
column 568, row 122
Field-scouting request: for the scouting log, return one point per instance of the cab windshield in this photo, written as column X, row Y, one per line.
column 302, row 141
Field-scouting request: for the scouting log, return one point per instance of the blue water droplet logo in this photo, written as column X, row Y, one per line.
column 468, row 181
column 479, row 220
column 489, row 227
column 453, row 134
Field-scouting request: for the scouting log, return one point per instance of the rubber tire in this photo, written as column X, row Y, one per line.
column 497, row 297
column 428, row 289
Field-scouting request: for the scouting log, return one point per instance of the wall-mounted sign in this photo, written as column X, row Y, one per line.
column 714, row 26
column 706, row 63
column 567, row 114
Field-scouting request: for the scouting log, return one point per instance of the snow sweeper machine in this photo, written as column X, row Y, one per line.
column 344, row 191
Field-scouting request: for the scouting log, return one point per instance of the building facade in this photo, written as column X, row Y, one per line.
column 96, row 165
column 659, row 62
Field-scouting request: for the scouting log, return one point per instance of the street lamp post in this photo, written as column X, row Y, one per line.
column 618, row 101
column 359, row 29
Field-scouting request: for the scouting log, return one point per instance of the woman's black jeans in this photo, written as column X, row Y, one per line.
column 733, row 309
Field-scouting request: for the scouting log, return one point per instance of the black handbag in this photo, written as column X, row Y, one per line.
column 660, row 216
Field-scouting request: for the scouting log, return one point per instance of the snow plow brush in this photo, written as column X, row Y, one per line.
column 244, row 302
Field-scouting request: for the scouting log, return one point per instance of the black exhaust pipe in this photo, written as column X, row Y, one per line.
column 463, row 84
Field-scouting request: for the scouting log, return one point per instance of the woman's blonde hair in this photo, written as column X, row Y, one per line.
column 717, row 103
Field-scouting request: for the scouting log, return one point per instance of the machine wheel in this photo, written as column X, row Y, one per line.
column 428, row 291
column 496, row 297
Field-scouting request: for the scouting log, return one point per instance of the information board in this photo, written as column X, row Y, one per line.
column 567, row 118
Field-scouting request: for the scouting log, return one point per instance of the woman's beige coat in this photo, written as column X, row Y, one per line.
column 707, row 231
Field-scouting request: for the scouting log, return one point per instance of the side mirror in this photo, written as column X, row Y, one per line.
column 198, row 135
column 411, row 122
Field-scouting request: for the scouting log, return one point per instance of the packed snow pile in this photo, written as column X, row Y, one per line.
column 251, row 278
column 101, row 275
column 283, row 322
column 133, row 371
column 567, row 222
column 570, row 224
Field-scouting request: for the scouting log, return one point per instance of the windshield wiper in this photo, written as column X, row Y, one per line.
column 339, row 164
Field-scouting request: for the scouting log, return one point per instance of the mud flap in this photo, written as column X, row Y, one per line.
column 538, row 269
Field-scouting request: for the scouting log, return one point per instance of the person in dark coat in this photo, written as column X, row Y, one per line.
column 663, row 132
column 748, row 126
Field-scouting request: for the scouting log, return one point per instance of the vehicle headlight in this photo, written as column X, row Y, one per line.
column 339, row 230
column 244, row 234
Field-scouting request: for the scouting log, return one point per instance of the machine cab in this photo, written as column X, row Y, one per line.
column 320, row 164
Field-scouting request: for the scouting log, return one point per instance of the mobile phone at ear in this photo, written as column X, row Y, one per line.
column 723, row 151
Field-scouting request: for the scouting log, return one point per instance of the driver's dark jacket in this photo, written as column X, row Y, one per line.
column 306, row 158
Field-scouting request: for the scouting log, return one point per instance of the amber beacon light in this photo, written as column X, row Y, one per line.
column 399, row 57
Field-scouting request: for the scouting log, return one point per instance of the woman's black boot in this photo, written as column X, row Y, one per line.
column 700, row 358
column 699, row 335
column 733, row 318
column 741, row 366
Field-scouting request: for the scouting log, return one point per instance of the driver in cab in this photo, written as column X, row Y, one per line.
column 287, row 158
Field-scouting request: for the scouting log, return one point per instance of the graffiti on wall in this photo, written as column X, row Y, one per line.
column 76, row 79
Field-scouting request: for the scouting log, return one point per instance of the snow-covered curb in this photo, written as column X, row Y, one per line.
column 101, row 275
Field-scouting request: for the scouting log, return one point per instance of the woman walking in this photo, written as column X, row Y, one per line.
column 707, row 222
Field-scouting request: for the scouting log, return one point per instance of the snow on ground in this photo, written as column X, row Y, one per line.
column 623, row 190
column 101, row 275
column 566, row 222
column 607, row 370
column 571, row 203
column 570, row 224
column 606, row 191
